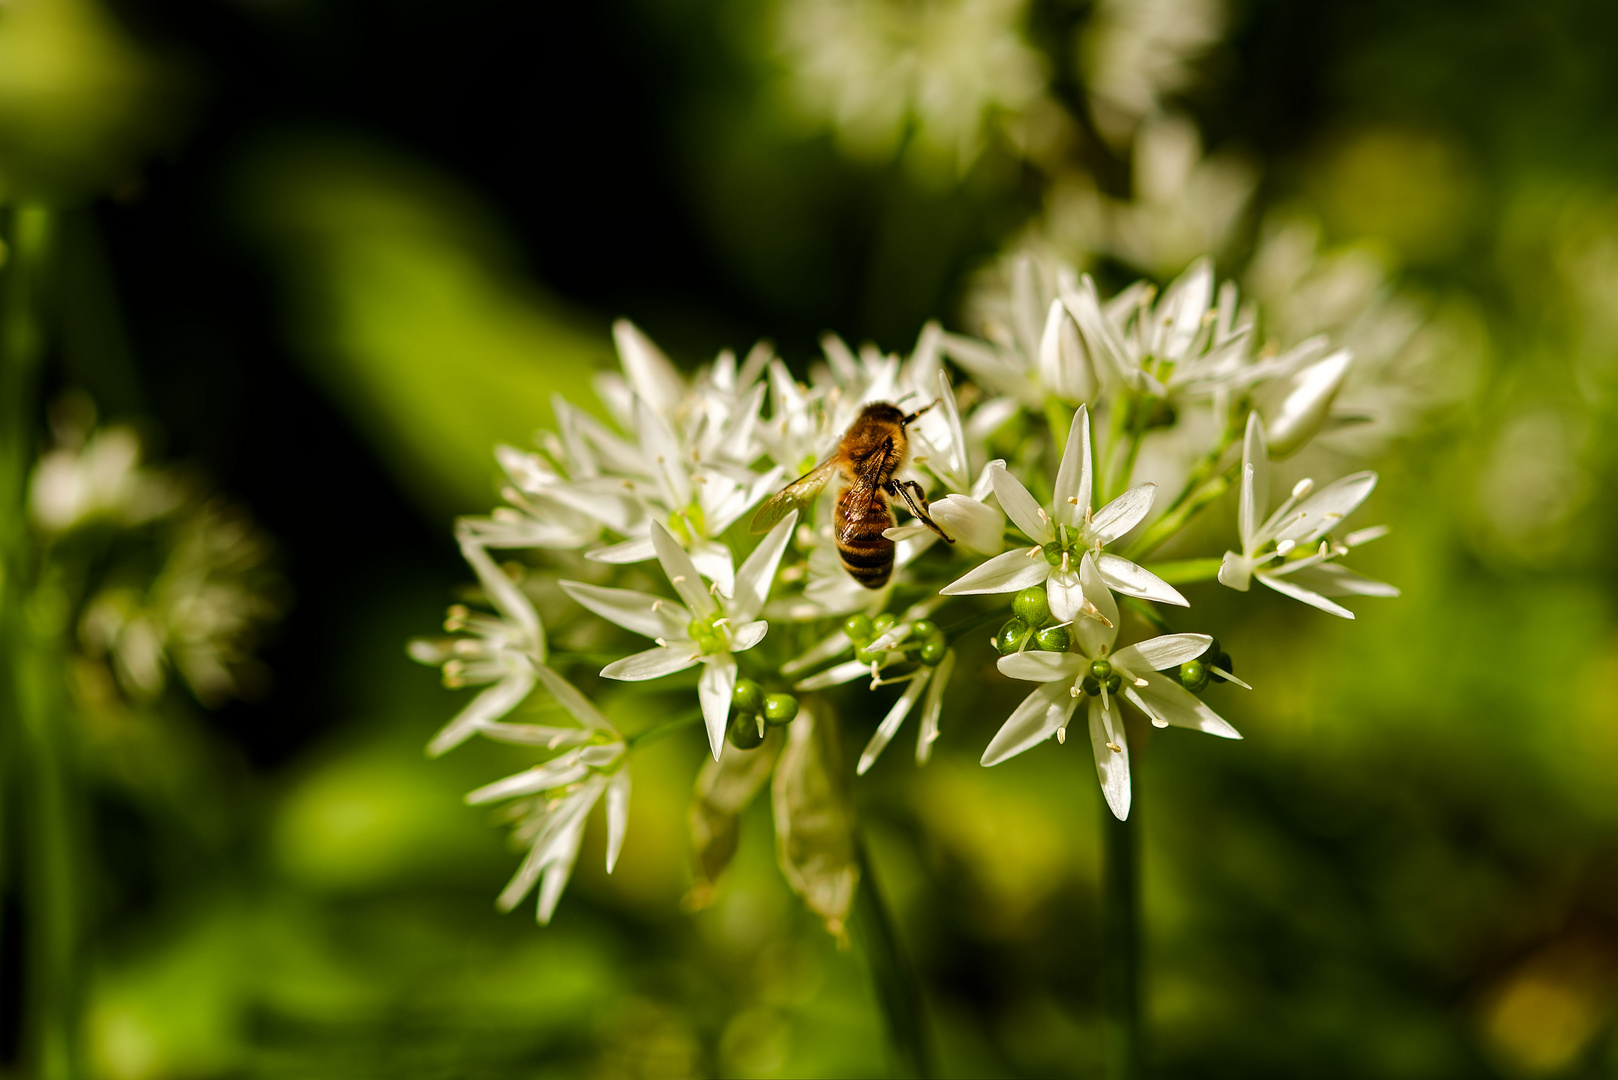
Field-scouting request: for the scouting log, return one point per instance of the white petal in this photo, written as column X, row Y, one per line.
column 1112, row 766
column 1170, row 701
column 975, row 526
column 665, row 457
column 1072, row 497
column 1123, row 513
column 890, row 723
column 1296, row 408
column 714, row 690
column 1096, row 636
column 1065, row 593
column 1006, row 572
column 1125, row 577
column 617, row 816
column 1169, row 650
column 653, row 663
column 507, row 599
column 682, row 572
column 753, row 580
column 551, row 738
column 1236, row 572
column 637, row 549
column 1037, row 665
column 1329, row 579
column 564, row 770
column 1064, row 369
column 650, row 373
column 1326, row 508
column 747, row 635
column 1034, row 721
column 1255, row 494
column 1021, row 507
column 577, row 705
column 714, row 562
column 647, row 615
column 490, row 704
column 1298, row 592
column 927, row 733
column 847, row 671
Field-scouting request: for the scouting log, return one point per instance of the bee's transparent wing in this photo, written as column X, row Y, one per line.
column 797, row 495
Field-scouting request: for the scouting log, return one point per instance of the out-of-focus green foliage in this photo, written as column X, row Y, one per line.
column 407, row 303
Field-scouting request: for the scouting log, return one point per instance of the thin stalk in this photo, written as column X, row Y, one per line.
column 898, row 993
column 1121, row 942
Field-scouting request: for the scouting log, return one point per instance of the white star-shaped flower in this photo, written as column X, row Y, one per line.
column 1063, row 533
column 707, row 629
column 1297, row 523
column 1095, row 671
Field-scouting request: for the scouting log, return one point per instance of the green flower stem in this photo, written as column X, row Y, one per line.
column 38, row 782
column 1121, row 942
column 1186, row 571
column 1175, row 520
column 898, row 992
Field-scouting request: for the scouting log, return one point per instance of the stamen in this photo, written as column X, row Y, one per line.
column 722, row 622
column 1285, row 546
column 1043, row 516
column 1061, row 735
column 657, row 605
column 1115, row 748
column 661, row 643
column 1302, row 488
column 1065, row 561
column 1073, row 500
column 678, row 579
column 1034, row 551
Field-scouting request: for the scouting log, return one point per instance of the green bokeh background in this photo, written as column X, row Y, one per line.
column 1408, row 868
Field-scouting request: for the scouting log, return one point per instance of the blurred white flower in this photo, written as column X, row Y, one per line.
column 554, row 798
column 872, row 70
column 1068, row 530
column 1305, row 517
column 1099, row 673
column 706, row 629
column 98, row 478
column 507, row 650
column 1135, row 53
column 1033, row 350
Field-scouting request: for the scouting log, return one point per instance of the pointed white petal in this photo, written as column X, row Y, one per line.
column 637, row 549
column 562, row 771
column 1036, row 665
column 1326, row 508
column 827, row 647
column 682, row 572
column 1064, row 369
column 551, row 738
column 1169, row 650
column 1112, row 766
column 847, row 671
column 1006, row 572
column 1298, row 592
column 1255, row 494
column 1126, row 577
column 975, row 526
column 1064, row 592
column 714, row 690
column 754, row 579
column 650, row 373
column 490, row 704
column 1022, row 508
column 747, row 635
column 1034, row 721
column 1236, row 572
column 1072, row 497
column 1170, row 701
column 507, row 599
column 714, row 562
column 890, row 723
column 617, row 816
column 653, row 663
column 1096, row 636
column 647, row 615
column 1329, row 579
column 1123, row 513
column 927, row 733
column 1295, row 408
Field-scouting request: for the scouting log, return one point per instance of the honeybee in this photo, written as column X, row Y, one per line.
column 872, row 449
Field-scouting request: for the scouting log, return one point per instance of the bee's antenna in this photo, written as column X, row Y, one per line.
column 912, row 417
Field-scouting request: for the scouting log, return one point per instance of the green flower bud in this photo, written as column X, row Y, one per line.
column 746, row 731
column 748, row 697
column 933, row 650
column 1054, row 639
column 1210, row 655
column 922, row 629
column 1194, row 676
column 1223, row 662
column 1090, row 686
column 1031, row 605
column 780, row 708
column 1011, row 636
column 1114, row 683
column 883, row 623
column 1100, row 668
column 1053, row 553
column 859, row 629
column 869, row 656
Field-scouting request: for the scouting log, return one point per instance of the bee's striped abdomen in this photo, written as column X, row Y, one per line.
column 866, row 553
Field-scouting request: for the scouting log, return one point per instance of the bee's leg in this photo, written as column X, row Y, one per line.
column 908, row 420
column 916, row 499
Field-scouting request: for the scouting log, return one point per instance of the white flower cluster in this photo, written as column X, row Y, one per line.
column 1127, row 416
